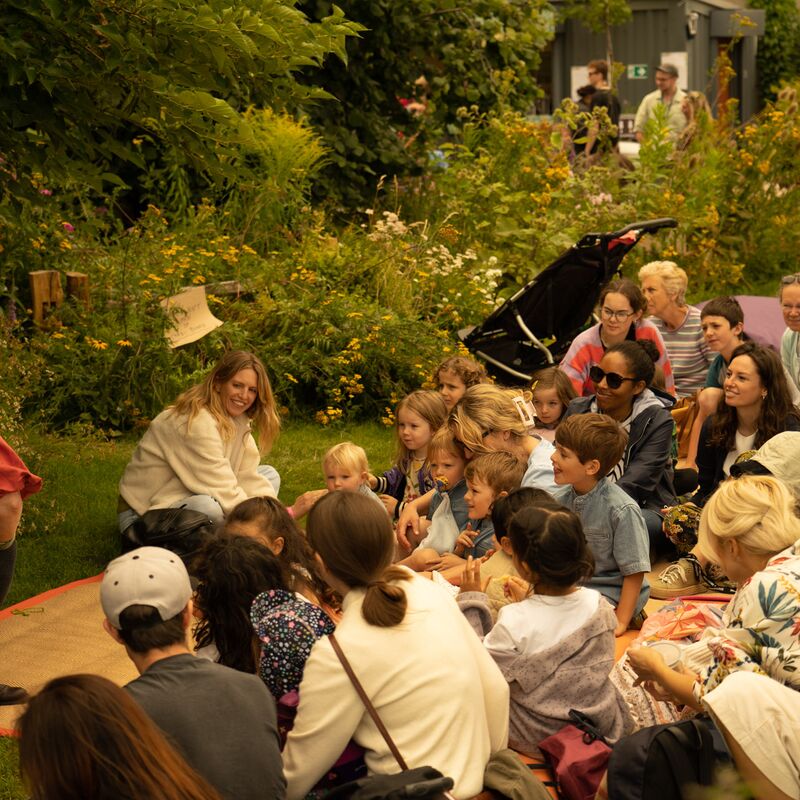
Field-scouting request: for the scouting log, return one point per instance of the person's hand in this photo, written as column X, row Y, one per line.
column 465, row 540
column 620, row 629
column 471, row 577
column 647, row 663
column 408, row 522
column 372, row 480
column 304, row 503
column 450, row 560
column 516, row 589
column 425, row 559
column 657, row 691
column 389, row 503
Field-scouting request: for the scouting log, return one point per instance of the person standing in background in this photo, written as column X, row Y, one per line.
column 668, row 96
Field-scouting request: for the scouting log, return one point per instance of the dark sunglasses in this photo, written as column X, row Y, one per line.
column 613, row 379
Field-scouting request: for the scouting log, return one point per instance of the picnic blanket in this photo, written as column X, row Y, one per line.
column 59, row 632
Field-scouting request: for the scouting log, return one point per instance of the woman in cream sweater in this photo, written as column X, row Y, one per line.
column 200, row 452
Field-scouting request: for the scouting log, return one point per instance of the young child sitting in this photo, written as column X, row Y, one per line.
column 455, row 375
column 448, row 514
column 419, row 415
column 500, row 564
column 587, row 448
column 555, row 643
column 346, row 469
column 266, row 519
column 552, row 390
column 489, row 477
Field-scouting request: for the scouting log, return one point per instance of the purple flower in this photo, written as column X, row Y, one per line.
column 68, row 227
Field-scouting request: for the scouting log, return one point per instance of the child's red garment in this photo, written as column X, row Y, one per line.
column 14, row 475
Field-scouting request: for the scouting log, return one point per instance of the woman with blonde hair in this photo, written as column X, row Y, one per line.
column 664, row 287
column 200, row 452
column 488, row 419
column 750, row 683
column 84, row 738
column 427, row 675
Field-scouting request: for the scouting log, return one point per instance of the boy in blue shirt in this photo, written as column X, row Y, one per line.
column 587, row 448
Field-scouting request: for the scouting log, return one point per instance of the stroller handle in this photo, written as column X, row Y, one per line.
column 645, row 226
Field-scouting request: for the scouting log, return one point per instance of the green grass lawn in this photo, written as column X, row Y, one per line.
column 69, row 529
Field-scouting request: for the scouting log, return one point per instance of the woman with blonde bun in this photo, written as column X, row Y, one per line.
column 750, row 684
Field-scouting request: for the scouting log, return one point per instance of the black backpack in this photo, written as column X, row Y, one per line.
column 658, row 763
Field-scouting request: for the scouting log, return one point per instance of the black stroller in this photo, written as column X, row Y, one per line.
column 535, row 328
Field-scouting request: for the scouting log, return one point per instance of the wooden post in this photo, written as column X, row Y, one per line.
column 78, row 287
column 46, row 292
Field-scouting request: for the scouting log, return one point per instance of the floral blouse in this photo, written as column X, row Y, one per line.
column 760, row 627
column 287, row 626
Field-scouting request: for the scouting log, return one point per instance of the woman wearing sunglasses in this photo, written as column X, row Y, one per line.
column 622, row 389
column 789, row 296
column 621, row 306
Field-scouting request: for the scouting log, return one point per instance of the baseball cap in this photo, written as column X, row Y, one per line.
column 147, row 576
column 669, row 69
column 779, row 457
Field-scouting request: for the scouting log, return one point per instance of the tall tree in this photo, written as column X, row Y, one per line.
column 600, row 16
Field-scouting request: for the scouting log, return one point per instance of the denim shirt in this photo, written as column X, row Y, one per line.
column 458, row 505
column 616, row 533
column 482, row 543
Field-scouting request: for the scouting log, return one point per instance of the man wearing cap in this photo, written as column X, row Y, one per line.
column 221, row 720
column 668, row 97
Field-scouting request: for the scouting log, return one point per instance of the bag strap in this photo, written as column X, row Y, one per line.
column 367, row 702
column 680, row 750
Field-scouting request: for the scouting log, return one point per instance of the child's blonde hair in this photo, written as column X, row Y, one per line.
column 347, row 455
column 470, row 371
column 500, row 471
column 758, row 511
column 443, row 442
column 554, row 378
column 425, row 404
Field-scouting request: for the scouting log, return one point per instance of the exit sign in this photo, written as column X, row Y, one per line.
column 637, row 71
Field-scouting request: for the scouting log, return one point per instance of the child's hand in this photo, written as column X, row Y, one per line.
column 303, row 503
column 407, row 526
column 620, row 629
column 372, row 480
column 389, row 503
column 424, row 560
column 516, row 589
column 464, row 541
column 451, row 560
column 471, row 577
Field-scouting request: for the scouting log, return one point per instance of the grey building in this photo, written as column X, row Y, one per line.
column 690, row 33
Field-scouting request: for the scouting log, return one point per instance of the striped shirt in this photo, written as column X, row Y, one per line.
column 688, row 352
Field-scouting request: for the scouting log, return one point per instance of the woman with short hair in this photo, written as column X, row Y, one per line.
column 664, row 287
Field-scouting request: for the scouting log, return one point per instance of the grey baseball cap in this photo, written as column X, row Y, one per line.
column 669, row 69
column 147, row 576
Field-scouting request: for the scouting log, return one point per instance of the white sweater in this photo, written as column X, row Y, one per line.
column 175, row 460
column 439, row 693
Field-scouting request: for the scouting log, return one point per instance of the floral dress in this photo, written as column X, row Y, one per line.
column 760, row 629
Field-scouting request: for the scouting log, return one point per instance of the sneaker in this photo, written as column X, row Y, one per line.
column 683, row 577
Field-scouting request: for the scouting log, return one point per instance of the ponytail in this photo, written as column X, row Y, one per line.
column 353, row 536
column 385, row 603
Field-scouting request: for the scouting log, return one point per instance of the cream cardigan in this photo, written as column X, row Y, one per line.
column 441, row 696
column 175, row 460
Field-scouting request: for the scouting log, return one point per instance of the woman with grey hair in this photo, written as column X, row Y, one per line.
column 664, row 287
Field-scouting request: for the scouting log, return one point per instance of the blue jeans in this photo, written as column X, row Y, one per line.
column 203, row 502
